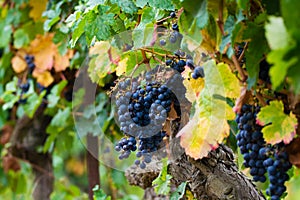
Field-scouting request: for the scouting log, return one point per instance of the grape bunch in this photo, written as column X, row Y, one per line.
column 260, row 157
column 127, row 144
column 30, row 63
column 250, row 141
column 141, row 105
column 277, row 166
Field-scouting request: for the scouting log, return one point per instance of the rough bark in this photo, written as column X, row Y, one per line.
column 28, row 134
column 212, row 178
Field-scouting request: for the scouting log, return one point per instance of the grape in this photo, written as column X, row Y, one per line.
column 162, row 42
column 264, row 68
column 198, row 72
column 24, row 87
column 143, row 165
column 172, row 14
column 175, row 27
column 173, row 38
column 190, row 64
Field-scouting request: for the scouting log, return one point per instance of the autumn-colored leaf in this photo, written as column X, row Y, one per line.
column 243, row 99
column 122, row 65
column 19, row 65
column 43, row 50
column 208, row 126
column 279, row 126
column 75, row 166
column 105, row 58
column 37, row 9
column 45, row 78
column 6, row 132
column 10, row 163
column 62, row 62
column 193, row 88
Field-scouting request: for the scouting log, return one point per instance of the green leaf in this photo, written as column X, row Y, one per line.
column 61, row 117
column 162, row 182
column 276, row 33
column 202, row 15
column 294, row 77
column 179, row 193
column 54, row 95
column 254, row 33
column 280, row 66
column 243, row 4
column 78, row 31
column 98, row 25
column 291, row 16
column 33, row 102
column 161, row 4
column 141, row 3
column 282, row 127
column 99, row 194
column 5, row 34
column 126, row 5
column 20, row 38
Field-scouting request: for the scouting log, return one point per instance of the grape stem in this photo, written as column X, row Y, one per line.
column 238, row 67
column 221, row 27
column 220, row 20
column 243, row 52
column 259, row 97
column 159, row 54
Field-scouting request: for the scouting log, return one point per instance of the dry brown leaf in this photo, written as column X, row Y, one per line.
column 167, row 127
column 10, row 163
column 172, row 114
column 6, row 132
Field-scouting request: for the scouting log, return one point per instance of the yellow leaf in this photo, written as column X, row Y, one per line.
column 100, row 48
column 208, row 126
column 122, row 65
column 193, row 88
column 43, row 50
column 18, row 64
column 45, row 78
column 37, row 9
column 231, row 83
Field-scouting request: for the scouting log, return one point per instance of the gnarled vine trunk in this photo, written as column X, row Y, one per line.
column 28, row 134
column 212, row 178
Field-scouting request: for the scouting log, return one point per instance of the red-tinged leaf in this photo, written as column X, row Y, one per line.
column 282, row 127
column 243, row 98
